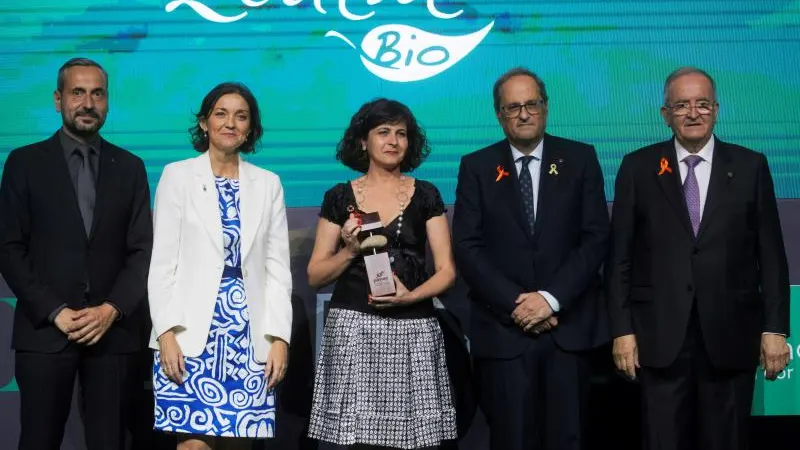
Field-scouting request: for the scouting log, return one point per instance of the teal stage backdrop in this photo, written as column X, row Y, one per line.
column 311, row 63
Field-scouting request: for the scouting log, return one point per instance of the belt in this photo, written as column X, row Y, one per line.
column 232, row 272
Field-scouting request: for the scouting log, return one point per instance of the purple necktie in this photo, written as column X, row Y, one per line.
column 691, row 191
column 526, row 186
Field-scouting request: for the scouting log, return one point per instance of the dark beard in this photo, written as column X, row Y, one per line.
column 85, row 132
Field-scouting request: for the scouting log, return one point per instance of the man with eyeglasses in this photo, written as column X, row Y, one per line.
column 698, row 288
column 530, row 232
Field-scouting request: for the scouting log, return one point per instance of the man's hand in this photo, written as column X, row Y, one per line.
column 543, row 326
column 626, row 355
column 91, row 324
column 774, row 355
column 65, row 320
column 531, row 309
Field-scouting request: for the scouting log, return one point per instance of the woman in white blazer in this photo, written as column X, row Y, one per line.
column 219, row 283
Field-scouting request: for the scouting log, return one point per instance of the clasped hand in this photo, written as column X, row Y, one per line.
column 88, row 325
column 533, row 314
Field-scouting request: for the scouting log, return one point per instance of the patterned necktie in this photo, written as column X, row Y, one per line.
column 526, row 188
column 691, row 191
column 85, row 188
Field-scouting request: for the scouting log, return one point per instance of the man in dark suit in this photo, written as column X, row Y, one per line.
column 698, row 280
column 530, row 231
column 75, row 243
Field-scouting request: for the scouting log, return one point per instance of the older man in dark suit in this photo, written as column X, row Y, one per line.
column 75, row 242
column 530, row 232
column 698, row 280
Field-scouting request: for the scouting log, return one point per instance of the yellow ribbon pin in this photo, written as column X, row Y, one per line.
column 553, row 169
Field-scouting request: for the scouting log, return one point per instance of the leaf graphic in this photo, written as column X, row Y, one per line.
column 403, row 53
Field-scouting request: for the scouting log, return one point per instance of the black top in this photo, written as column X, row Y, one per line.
column 406, row 250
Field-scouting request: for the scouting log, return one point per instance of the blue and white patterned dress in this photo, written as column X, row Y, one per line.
column 224, row 392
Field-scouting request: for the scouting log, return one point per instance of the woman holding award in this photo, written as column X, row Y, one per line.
column 381, row 378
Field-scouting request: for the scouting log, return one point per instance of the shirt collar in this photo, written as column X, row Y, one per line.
column 69, row 144
column 707, row 152
column 536, row 153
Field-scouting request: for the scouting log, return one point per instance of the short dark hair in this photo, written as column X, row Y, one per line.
column 497, row 92
column 82, row 62
column 373, row 114
column 687, row 70
column 200, row 138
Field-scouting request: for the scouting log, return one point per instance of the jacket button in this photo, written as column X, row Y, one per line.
column 689, row 287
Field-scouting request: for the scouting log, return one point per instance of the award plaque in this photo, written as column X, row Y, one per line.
column 373, row 242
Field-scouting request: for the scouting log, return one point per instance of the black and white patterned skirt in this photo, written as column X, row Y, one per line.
column 382, row 381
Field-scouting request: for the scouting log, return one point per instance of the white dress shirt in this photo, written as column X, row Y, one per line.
column 534, row 167
column 702, row 171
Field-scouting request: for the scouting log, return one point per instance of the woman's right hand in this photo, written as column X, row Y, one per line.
column 349, row 233
column 171, row 357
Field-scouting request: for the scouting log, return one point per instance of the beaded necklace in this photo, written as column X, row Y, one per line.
column 401, row 195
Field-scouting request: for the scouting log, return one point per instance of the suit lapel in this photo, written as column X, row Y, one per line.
column 509, row 186
column 62, row 182
column 717, row 185
column 204, row 197
column 670, row 182
column 106, row 179
column 252, row 196
column 548, row 183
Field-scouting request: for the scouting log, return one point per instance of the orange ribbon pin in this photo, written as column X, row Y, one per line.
column 664, row 167
column 500, row 174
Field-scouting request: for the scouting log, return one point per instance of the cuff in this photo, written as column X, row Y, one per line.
column 119, row 311
column 52, row 317
column 770, row 332
column 551, row 301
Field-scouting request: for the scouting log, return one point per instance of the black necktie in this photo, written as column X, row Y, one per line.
column 526, row 186
column 84, row 186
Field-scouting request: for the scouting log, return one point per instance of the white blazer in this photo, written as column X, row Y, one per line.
column 188, row 256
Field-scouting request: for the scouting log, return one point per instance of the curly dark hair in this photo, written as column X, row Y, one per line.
column 371, row 115
column 200, row 138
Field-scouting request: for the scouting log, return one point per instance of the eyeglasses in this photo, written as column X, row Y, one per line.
column 703, row 108
column 534, row 107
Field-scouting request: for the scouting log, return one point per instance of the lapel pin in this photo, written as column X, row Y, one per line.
column 553, row 169
column 500, row 173
column 730, row 175
column 664, row 166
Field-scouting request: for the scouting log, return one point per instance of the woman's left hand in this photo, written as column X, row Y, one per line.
column 277, row 362
column 401, row 297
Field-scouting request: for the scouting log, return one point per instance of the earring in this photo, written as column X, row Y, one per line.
column 205, row 134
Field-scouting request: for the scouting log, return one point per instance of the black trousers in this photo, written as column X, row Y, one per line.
column 536, row 401
column 46, row 383
column 693, row 405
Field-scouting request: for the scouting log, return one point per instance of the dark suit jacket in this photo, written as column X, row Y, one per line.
column 500, row 259
column 46, row 257
column 735, row 270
